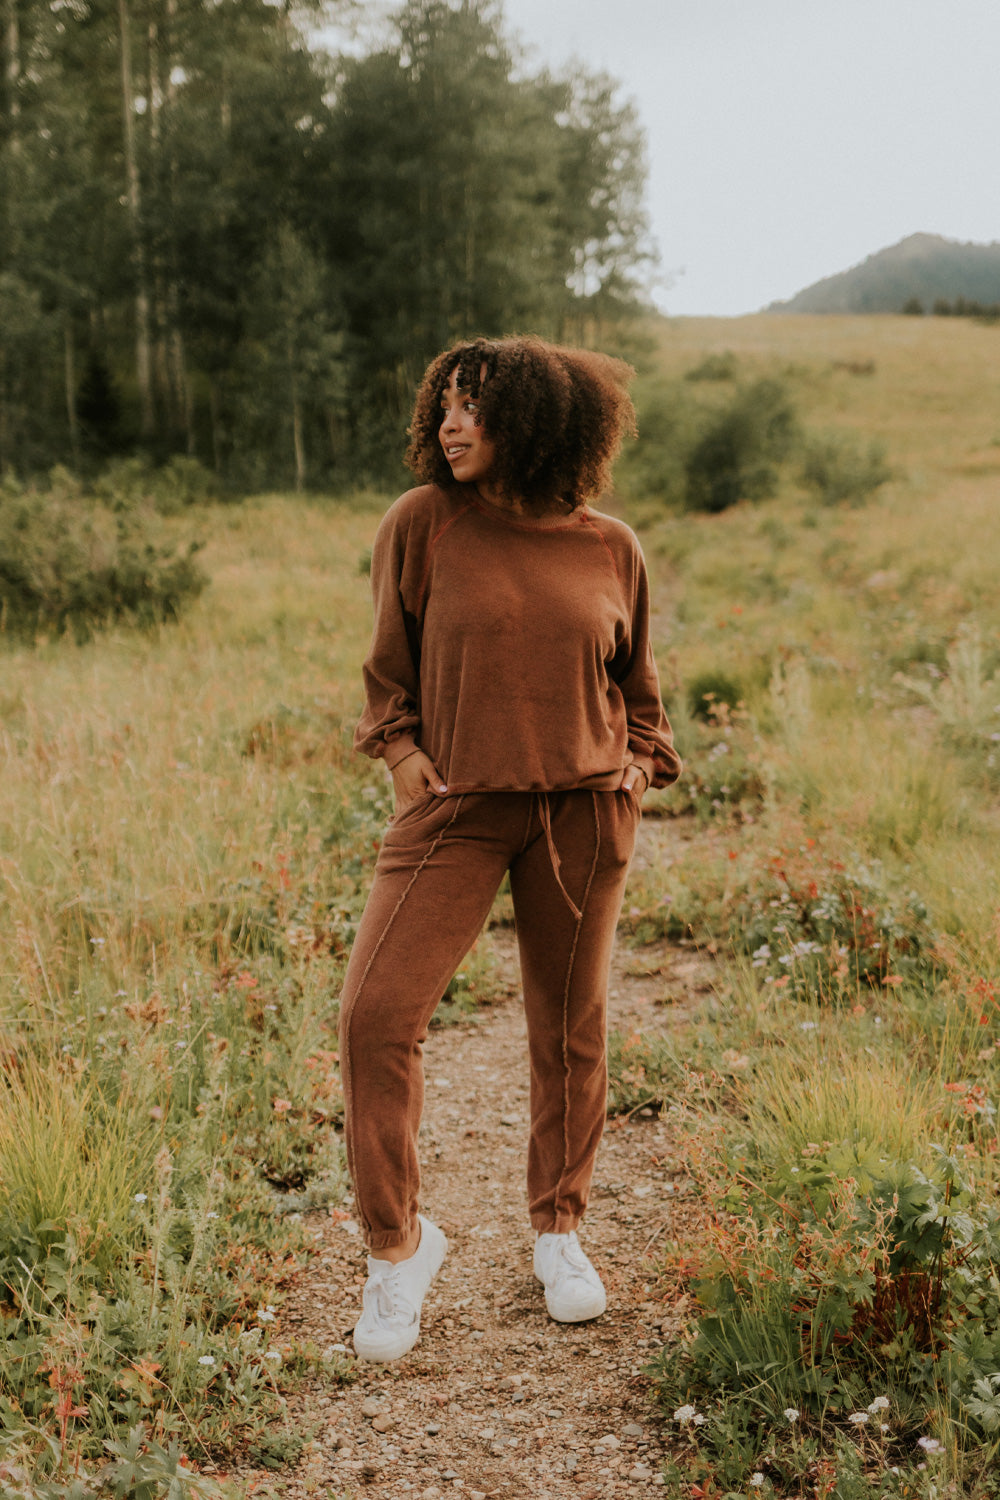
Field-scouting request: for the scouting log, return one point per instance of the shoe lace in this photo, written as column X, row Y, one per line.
column 385, row 1292
column 573, row 1258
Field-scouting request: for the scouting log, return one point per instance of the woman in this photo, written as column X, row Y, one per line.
column 512, row 693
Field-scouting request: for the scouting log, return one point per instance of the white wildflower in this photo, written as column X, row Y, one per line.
column 139, row 1198
column 881, row 1403
column 791, row 1414
column 206, row 1359
column 858, row 1418
column 688, row 1414
column 757, row 1479
column 929, row 1445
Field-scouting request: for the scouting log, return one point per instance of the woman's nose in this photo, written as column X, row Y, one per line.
column 450, row 422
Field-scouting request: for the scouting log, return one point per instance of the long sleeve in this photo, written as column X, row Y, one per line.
column 649, row 737
column 389, row 726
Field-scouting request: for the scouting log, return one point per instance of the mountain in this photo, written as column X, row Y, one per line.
column 927, row 267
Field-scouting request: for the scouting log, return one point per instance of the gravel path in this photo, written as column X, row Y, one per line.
column 496, row 1399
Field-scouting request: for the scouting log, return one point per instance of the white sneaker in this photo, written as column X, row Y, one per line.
column 573, row 1289
column 389, row 1324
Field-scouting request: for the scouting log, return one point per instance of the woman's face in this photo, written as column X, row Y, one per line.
column 470, row 453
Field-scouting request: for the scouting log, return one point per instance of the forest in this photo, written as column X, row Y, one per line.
column 237, row 231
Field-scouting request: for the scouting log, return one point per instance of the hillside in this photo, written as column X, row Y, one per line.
column 925, row 266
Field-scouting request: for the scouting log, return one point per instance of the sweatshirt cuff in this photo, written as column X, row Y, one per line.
column 398, row 749
column 646, row 765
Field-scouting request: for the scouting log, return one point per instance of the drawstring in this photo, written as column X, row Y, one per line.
column 545, row 818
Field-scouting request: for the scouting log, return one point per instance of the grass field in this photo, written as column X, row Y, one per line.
column 185, row 840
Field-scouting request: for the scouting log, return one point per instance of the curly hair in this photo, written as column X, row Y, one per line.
column 556, row 415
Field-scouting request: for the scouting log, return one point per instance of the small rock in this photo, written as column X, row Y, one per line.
column 609, row 1441
column 641, row 1471
column 518, row 1396
column 509, row 1120
column 432, row 1429
column 369, row 1472
column 383, row 1422
column 554, row 1412
column 510, row 1382
column 632, row 1430
column 477, row 1495
column 371, row 1407
column 571, row 1462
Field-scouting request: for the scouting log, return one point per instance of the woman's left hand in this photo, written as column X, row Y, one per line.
column 633, row 780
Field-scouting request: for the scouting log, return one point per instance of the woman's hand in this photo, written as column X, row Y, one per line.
column 634, row 780
column 414, row 776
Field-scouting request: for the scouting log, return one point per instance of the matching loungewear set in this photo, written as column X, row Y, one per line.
column 515, row 652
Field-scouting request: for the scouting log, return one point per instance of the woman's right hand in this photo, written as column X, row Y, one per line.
column 414, row 776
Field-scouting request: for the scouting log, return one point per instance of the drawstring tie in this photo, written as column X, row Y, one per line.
column 545, row 818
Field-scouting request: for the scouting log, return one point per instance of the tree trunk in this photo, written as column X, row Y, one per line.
column 143, row 359
column 213, row 416
column 69, row 366
column 298, row 440
column 12, row 71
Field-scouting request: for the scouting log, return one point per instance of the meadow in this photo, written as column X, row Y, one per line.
column 185, row 839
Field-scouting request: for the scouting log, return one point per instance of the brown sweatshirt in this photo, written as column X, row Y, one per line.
column 513, row 650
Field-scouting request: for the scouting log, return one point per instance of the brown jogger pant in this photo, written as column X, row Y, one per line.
column 440, row 865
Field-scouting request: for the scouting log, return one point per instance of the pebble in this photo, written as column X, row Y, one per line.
column 641, row 1471
column 632, row 1430
column 608, row 1441
column 371, row 1407
column 432, row 1429
column 383, row 1422
column 510, row 1382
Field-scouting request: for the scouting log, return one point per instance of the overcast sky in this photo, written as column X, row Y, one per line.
column 788, row 139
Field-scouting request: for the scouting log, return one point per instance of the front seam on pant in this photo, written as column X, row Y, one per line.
column 569, row 980
column 372, row 957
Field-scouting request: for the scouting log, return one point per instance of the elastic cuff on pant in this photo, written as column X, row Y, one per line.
column 388, row 1239
column 560, row 1224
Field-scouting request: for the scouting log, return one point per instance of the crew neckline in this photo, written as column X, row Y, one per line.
column 523, row 522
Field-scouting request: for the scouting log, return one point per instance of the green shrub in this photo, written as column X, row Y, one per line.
column 129, row 482
column 839, row 472
column 652, row 468
column 68, row 563
column 838, row 1277
column 714, row 367
column 711, row 689
column 738, row 453
column 827, row 932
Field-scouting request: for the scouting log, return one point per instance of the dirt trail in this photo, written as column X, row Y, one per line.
column 496, row 1399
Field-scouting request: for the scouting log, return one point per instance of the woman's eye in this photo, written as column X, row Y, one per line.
column 472, row 406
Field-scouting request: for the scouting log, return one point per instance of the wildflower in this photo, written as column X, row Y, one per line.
column 881, row 1403
column 139, row 1198
column 808, row 1025
column 791, row 1414
column 206, row 1359
column 281, row 1106
column 858, row 1418
column 688, row 1414
column 929, row 1445
column 266, row 1315
column 273, row 1354
column 211, row 1216
column 757, row 1479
